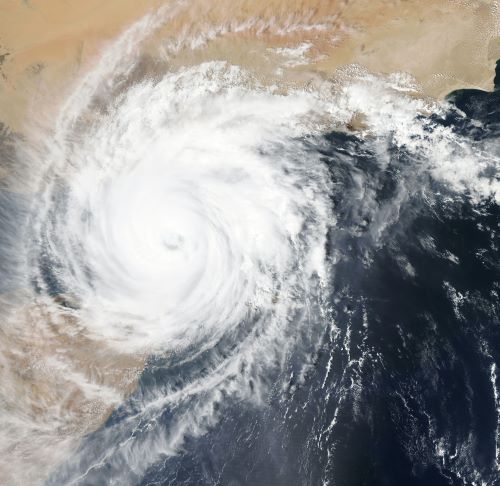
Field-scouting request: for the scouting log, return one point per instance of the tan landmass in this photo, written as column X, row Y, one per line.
column 445, row 44
column 57, row 386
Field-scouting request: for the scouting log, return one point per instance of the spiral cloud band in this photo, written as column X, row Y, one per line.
column 185, row 210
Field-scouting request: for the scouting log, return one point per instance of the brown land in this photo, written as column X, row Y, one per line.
column 57, row 386
column 45, row 45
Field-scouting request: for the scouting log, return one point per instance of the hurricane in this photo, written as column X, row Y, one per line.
column 224, row 272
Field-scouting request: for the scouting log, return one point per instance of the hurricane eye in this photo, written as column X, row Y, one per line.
column 173, row 242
